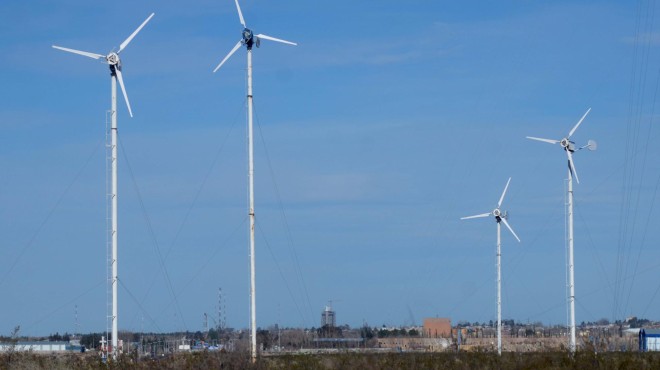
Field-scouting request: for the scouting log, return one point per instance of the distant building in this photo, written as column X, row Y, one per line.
column 36, row 346
column 437, row 328
column 414, row 344
column 328, row 317
column 649, row 340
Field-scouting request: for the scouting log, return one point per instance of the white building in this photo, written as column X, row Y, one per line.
column 35, row 346
column 649, row 340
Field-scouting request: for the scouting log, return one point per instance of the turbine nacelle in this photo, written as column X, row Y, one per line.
column 500, row 215
column 248, row 37
column 115, row 70
column 567, row 144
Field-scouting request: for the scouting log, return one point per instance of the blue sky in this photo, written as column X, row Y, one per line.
column 389, row 122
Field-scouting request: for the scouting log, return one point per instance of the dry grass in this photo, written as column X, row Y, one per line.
column 426, row 361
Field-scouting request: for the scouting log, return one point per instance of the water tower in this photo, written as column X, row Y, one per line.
column 328, row 316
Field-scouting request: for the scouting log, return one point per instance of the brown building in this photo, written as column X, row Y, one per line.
column 437, row 328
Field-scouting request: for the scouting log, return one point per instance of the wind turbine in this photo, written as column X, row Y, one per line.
column 249, row 39
column 499, row 218
column 569, row 148
column 112, row 58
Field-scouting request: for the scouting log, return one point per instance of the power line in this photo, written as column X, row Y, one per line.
column 286, row 283
column 207, row 261
column 76, row 298
column 152, row 234
column 49, row 214
column 193, row 204
column 285, row 223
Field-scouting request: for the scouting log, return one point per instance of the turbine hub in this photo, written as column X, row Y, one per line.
column 497, row 213
column 564, row 142
column 248, row 38
column 113, row 59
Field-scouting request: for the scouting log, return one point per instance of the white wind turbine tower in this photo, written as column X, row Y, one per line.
column 249, row 39
column 499, row 217
column 569, row 148
column 115, row 64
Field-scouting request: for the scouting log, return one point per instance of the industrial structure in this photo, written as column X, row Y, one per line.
column 328, row 317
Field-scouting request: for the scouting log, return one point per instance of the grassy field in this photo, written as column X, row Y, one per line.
column 214, row 360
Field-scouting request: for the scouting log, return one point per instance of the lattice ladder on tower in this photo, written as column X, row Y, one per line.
column 108, row 227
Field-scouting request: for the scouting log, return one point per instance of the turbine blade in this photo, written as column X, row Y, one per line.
column 83, row 53
column 476, row 216
column 238, row 45
column 266, row 37
column 123, row 90
column 128, row 40
column 578, row 124
column 571, row 165
column 240, row 14
column 499, row 204
column 510, row 229
column 544, row 140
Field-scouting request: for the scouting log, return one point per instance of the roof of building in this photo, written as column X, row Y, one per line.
column 651, row 332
